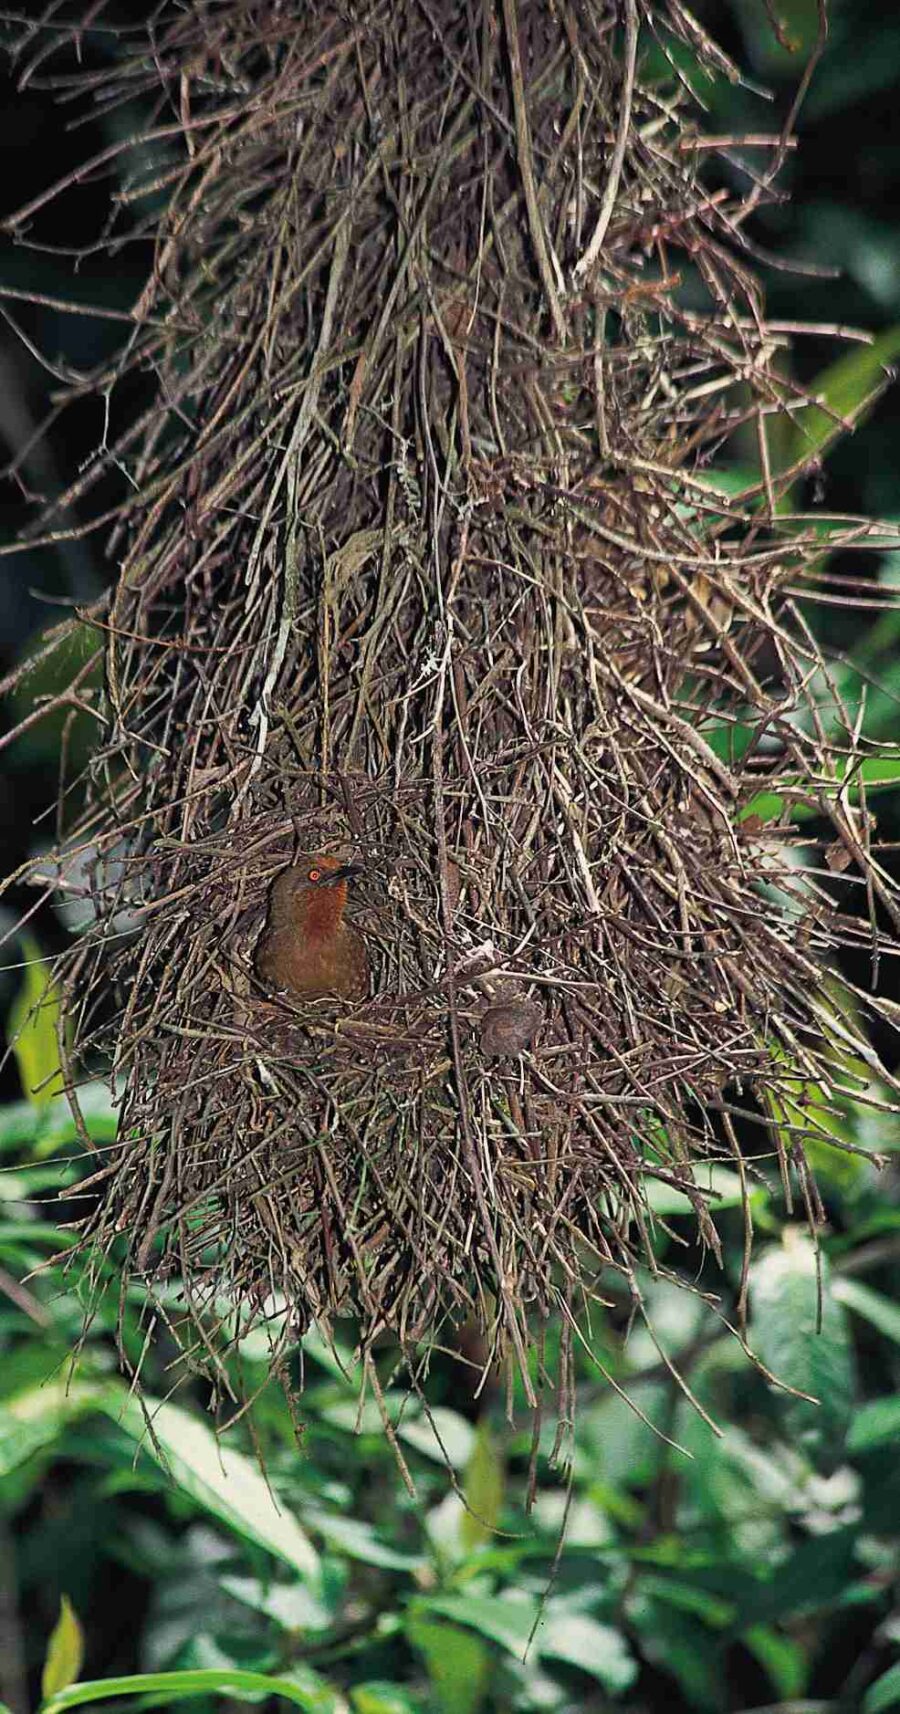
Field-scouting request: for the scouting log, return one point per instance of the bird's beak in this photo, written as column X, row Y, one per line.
column 346, row 872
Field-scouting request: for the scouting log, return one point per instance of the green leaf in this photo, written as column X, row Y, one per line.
column 57, row 1127
column 884, row 1693
column 378, row 1697
column 55, row 666
column 848, row 387
column 624, row 1449
column 200, row 1652
column 219, row 1479
column 456, row 1436
column 457, row 1663
column 37, row 1417
column 584, row 1642
column 783, row 1660
column 293, row 1606
column 355, row 1417
column 814, row 1360
column 813, row 1579
column 65, row 1651
column 720, row 1186
column 333, row 1356
column 508, row 1623
column 51, row 1126
column 19, row 1124
column 678, row 1645
column 782, row 53
column 360, row 1541
column 689, row 1598
column 167, row 1687
column 483, row 1488
column 866, row 66
column 878, row 773
column 32, row 1027
column 768, row 806
column 878, row 1310
column 876, row 1424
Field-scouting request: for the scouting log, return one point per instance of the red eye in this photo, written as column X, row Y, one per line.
column 314, row 875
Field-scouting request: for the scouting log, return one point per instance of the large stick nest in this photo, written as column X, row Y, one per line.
column 421, row 562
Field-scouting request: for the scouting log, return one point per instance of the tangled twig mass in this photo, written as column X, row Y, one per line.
column 429, row 557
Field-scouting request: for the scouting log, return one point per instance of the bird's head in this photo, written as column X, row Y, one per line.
column 315, row 885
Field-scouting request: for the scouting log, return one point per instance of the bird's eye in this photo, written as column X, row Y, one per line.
column 314, row 875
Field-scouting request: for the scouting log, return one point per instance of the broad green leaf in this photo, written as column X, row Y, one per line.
column 767, row 806
column 884, row 1693
column 812, row 1359
column 678, row 1645
column 581, row 1641
column 293, row 1606
column 783, row 52
column 220, row 1479
column 458, row 1665
column 721, row 1188
column 873, row 1306
column 50, row 1127
column 875, row 1424
column 508, row 1623
column 32, row 1026
column 378, row 1697
column 54, row 667
column 582, row 1523
column 19, row 1124
column 442, row 1435
column 781, row 1658
column 878, row 773
column 14, row 1188
column 65, row 1651
column 200, row 1652
column 359, row 1540
column 727, row 479
column 37, row 1417
column 483, row 1488
column 624, row 1449
column 866, row 66
column 730, row 742
column 356, row 1417
column 800, row 1105
column 163, row 1688
column 26, row 1230
column 57, row 1124
column 332, row 1355
column 690, row 1598
column 838, row 1172
column 848, row 387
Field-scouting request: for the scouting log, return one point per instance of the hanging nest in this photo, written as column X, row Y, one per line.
column 421, row 564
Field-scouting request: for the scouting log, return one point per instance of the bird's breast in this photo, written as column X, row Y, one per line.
column 313, row 965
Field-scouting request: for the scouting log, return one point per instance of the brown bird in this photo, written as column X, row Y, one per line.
column 509, row 1028
column 306, row 946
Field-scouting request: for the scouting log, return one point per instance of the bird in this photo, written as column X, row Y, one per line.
column 306, row 946
column 508, row 1028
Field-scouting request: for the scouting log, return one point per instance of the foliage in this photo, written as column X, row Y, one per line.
column 745, row 1544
